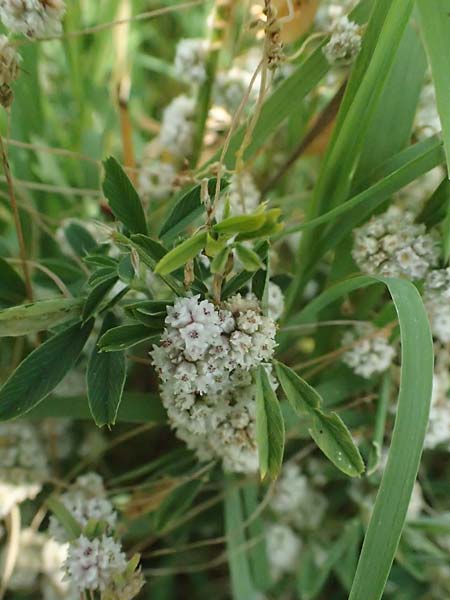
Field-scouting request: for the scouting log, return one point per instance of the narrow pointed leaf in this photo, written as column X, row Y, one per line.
column 38, row 316
column 124, row 337
column 181, row 254
column 269, row 427
column 38, row 375
column 435, row 26
column 123, row 198
column 106, row 376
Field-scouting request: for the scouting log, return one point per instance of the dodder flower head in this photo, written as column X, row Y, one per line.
column 283, row 549
column 9, row 70
column 33, row 18
column 177, row 128
column 156, row 180
column 86, row 499
column 391, row 244
column 204, row 363
column 438, row 432
column 190, row 60
column 370, row 350
column 437, row 301
column 92, row 564
column 23, row 465
column 345, row 43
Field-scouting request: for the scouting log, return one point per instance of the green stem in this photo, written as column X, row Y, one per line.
column 222, row 14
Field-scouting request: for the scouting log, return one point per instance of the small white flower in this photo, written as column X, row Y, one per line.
column 177, row 127
column 190, row 60
column 437, row 301
column 345, row 43
column 33, row 18
column 391, row 244
column 92, row 564
column 156, row 180
column 370, row 350
column 283, row 549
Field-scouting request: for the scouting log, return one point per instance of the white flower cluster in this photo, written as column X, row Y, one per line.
column 9, row 70
column 85, row 500
column 190, row 60
column 23, row 465
column 275, row 301
column 156, row 179
column 33, row 18
column 298, row 508
column 39, row 563
column 438, row 432
column 392, row 245
column 177, row 127
column 204, row 363
column 295, row 500
column 344, row 44
column 437, row 301
column 231, row 87
column 370, row 350
column 91, row 564
column 283, row 549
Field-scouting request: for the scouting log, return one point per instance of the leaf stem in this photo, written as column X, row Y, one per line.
column 16, row 214
column 223, row 12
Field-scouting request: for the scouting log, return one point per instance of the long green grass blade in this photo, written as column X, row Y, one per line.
column 435, row 26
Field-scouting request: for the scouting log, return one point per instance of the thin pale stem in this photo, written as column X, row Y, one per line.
column 17, row 222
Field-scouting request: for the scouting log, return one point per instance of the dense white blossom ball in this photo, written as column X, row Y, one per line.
column 177, row 128
column 23, row 465
column 156, row 180
column 9, row 62
column 296, row 501
column 86, row 500
column 392, row 245
column 344, row 44
column 438, row 432
column 437, row 301
column 92, row 564
column 283, row 549
column 204, row 362
column 370, row 350
column 190, row 60
column 33, row 18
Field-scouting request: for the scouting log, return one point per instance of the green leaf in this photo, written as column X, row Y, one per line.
column 65, row 517
column 240, row 224
column 334, row 439
column 38, row 316
column 149, row 250
column 188, row 208
column 328, row 430
column 97, row 295
column 257, row 552
column 302, row 397
column 269, row 427
column 12, row 287
column 219, row 262
column 437, row 206
column 181, row 254
column 391, row 505
column 79, row 239
column 123, row 198
column 435, row 26
column 248, row 258
column 241, row 581
column 124, row 337
column 411, row 421
column 135, row 408
column 106, row 376
column 38, row 375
